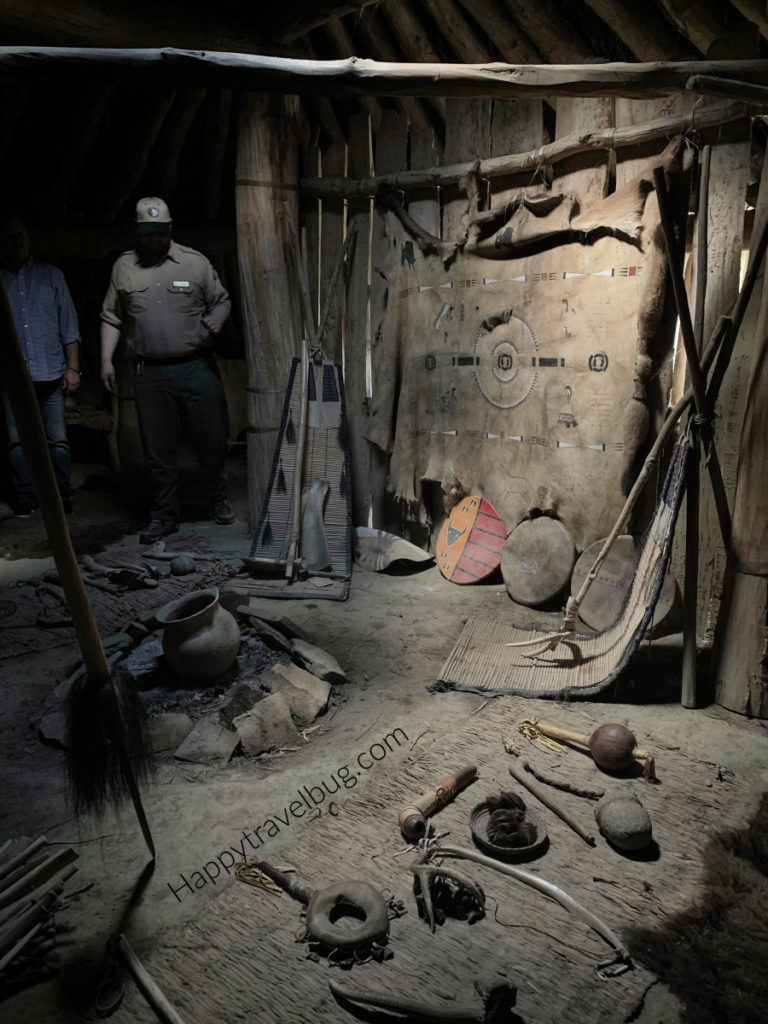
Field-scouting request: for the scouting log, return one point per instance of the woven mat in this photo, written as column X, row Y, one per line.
column 326, row 457
column 482, row 661
column 238, row 959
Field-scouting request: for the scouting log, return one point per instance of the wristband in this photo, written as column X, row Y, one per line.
column 78, row 372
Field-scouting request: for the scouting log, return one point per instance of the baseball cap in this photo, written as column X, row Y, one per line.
column 152, row 214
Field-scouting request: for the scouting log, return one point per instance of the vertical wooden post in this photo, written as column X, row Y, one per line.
column 728, row 175
column 467, row 132
column 334, row 161
column 266, row 178
column 740, row 654
column 391, row 154
column 584, row 176
column 357, row 324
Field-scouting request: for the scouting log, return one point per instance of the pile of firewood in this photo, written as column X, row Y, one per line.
column 32, row 880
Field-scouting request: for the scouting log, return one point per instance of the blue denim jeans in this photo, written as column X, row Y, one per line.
column 50, row 397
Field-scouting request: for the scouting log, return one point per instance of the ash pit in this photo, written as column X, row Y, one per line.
column 163, row 690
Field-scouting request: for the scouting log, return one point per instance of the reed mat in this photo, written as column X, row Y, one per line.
column 239, row 959
column 482, row 661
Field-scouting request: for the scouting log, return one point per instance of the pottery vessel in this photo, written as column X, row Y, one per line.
column 200, row 638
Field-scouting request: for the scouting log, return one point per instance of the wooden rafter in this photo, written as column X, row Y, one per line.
column 754, row 11
column 412, row 37
column 508, row 38
column 502, row 166
column 316, row 19
column 542, row 24
column 344, row 47
column 460, row 37
column 697, row 20
column 642, row 30
column 379, row 44
column 357, row 77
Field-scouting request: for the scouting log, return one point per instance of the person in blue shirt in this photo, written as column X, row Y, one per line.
column 49, row 336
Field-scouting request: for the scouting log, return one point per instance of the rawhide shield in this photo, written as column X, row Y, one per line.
column 470, row 542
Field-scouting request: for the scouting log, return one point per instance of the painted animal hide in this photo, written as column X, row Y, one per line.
column 518, row 376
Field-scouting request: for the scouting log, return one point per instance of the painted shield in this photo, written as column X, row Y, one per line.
column 470, row 541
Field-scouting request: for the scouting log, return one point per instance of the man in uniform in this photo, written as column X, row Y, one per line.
column 166, row 300
column 46, row 324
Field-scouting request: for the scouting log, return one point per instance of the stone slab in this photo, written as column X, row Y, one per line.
column 208, row 743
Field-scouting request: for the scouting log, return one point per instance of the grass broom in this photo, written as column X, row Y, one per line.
column 105, row 718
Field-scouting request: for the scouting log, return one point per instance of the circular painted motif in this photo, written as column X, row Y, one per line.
column 506, row 361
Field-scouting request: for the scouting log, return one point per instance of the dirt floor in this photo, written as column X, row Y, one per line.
column 390, row 637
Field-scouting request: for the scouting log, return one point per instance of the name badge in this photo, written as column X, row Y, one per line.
column 181, row 284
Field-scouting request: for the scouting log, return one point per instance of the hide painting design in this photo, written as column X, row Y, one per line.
column 516, row 376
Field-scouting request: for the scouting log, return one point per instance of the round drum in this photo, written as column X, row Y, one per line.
column 537, row 559
column 605, row 597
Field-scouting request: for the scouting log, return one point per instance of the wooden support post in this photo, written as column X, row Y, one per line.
column 729, row 168
column 388, row 237
column 688, row 697
column 357, row 325
column 266, row 178
column 740, row 651
column 584, row 176
column 333, row 162
column 467, row 137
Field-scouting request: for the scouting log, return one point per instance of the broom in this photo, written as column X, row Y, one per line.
column 104, row 713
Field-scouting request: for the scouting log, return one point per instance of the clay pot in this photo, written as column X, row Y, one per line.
column 200, row 638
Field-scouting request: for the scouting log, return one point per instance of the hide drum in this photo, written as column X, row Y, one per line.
column 605, row 598
column 470, row 541
column 537, row 560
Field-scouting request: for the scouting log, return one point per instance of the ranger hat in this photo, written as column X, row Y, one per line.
column 152, row 214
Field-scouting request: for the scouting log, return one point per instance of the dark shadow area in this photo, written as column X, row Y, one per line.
column 713, row 955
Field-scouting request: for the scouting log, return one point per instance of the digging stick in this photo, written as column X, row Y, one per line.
column 29, row 422
column 519, row 773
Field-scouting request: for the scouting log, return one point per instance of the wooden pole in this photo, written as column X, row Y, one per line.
column 534, row 159
column 267, row 173
column 690, row 594
column 355, row 76
column 29, row 422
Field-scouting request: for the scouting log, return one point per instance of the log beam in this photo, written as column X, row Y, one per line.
column 642, row 31
column 697, row 20
column 507, row 37
column 450, row 21
column 357, row 77
column 378, row 42
column 501, row 166
column 540, row 22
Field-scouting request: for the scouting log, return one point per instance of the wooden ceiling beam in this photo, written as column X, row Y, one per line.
column 510, row 40
column 643, row 31
column 602, row 140
column 697, row 20
column 410, row 32
column 330, row 12
column 459, row 36
column 341, row 42
column 358, row 77
column 94, row 23
column 754, row 11
column 542, row 23
column 379, row 45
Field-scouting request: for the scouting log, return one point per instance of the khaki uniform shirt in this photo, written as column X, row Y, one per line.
column 159, row 310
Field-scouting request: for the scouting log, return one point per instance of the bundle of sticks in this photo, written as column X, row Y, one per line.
column 32, row 880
